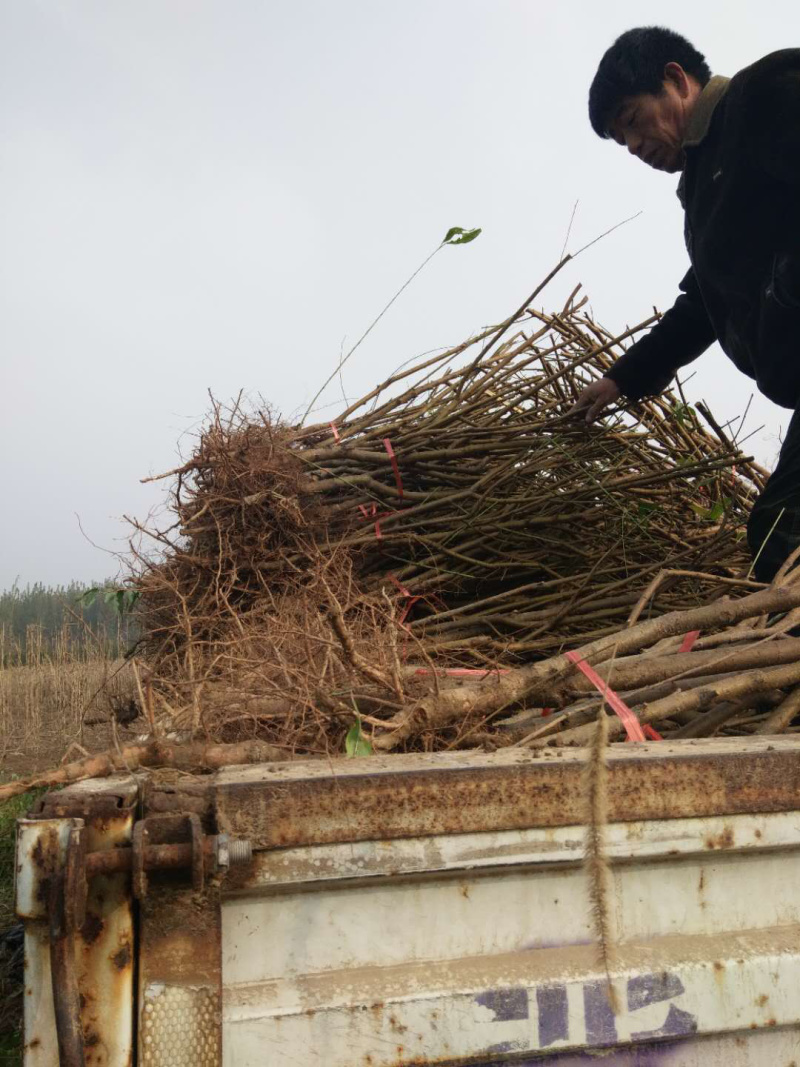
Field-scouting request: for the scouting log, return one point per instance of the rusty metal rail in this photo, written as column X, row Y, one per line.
column 386, row 797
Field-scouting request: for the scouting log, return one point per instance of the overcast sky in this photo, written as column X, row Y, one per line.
column 217, row 194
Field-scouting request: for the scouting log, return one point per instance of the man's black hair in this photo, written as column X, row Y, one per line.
column 635, row 64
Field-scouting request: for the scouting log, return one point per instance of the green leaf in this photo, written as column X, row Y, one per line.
column 110, row 595
column 131, row 596
column 681, row 411
column 355, row 744
column 88, row 598
column 712, row 514
column 645, row 509
column 457, row 235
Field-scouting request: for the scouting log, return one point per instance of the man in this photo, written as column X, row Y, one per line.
column 737, row 143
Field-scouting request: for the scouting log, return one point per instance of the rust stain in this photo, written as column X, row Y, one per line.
column 725, row 839
column 758, row 834
column 38, row 853
column 44, row 857
column 702, row 883
column 718, row 966
column 92, row 928
column 771, row 1022
column 122, row 957
column 762, row 1000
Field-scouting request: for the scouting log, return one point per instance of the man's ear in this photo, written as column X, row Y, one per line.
column 676, row 76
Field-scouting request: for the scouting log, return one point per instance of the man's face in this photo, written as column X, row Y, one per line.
column 652, row 128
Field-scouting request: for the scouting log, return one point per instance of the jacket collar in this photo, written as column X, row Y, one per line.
column 700, row 118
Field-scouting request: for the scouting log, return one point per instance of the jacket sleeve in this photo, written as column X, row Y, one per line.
column 680, row 336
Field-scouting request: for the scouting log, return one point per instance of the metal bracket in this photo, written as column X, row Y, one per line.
column 51, row 885
column 54, row 872
column 169, row 842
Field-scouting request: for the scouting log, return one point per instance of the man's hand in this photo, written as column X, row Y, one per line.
column 595, row 398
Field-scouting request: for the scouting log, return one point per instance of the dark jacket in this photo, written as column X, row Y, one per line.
column 740, row 189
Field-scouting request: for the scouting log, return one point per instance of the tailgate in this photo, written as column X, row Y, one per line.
column 434, row 909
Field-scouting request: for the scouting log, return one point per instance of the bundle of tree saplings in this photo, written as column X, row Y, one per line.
column 742, row 675
column 455, row 519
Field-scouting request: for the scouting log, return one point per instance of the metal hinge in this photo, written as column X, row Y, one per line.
column 55, row 870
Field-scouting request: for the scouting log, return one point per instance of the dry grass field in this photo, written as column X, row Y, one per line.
column 54, row 695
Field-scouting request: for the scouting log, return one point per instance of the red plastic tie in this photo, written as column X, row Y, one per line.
column 373, row 513
column 387, row 444
column 632, row 725
column 400, row 586
column 411, row 600
column 337, row 438
column 689, row 640
column 652, row 734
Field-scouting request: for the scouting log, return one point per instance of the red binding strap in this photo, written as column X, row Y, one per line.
column 632, row 725
column 689, row 640
column 387, row 444
column 373, row 514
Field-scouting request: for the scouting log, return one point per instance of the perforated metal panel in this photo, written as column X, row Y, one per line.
column 180, row 1027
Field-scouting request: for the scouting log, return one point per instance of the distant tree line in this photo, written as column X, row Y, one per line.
column 62, row 621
